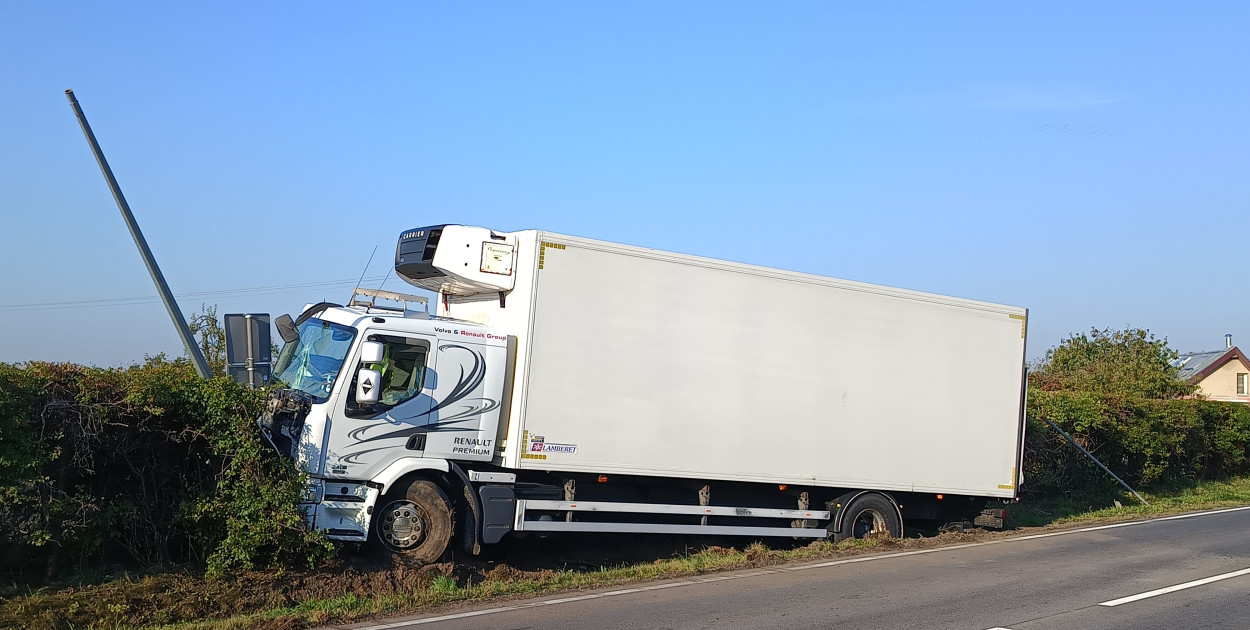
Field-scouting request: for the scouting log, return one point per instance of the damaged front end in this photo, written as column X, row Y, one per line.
column 282, row 422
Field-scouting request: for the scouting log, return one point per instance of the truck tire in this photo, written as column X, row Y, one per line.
column 870, row 515
column 413, row 522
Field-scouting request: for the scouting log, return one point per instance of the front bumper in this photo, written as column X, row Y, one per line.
column 343, row 509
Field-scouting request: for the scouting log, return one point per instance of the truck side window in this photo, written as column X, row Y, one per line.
column 403, row 374
column 403, row 369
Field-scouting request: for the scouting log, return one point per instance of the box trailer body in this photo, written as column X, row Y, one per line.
column 554, row 359
column 644, row 362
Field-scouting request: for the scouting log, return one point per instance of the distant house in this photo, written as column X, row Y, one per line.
column 1219, row 374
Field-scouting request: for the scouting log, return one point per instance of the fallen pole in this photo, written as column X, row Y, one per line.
column 1095, row 459
column 197, row 357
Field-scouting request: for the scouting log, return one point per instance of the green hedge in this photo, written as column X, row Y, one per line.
column 139, row 467
column 1144, row 441
column 150, row 465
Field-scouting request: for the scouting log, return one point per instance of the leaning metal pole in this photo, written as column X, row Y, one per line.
column 197, row 357
column 1095, row 459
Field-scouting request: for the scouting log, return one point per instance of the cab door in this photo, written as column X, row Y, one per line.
column 469, row 399
column 364, row 439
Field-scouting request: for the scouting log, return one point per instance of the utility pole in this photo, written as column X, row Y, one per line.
column 197, row 357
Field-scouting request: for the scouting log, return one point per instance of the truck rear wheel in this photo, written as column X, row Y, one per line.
column 870, row 515
column 414, row 522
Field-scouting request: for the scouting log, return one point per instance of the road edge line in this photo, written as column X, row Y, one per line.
column 803, row 567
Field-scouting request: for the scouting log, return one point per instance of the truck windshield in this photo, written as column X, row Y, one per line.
column 312, row 363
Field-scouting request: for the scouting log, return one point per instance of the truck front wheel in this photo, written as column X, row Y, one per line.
column 414, row 522
column 870, row 515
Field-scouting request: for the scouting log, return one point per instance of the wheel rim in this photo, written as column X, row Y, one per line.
column 402, row 525
column 869, row 522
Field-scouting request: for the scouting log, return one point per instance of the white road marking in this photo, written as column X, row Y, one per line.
column 833, row 563
column 803, row 567
column 561, row 600
column 1173, row 589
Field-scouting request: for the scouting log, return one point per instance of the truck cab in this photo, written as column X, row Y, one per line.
column 369, row 395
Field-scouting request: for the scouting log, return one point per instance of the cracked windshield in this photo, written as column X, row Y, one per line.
column 313, row 362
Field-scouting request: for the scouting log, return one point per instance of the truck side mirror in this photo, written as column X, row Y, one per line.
column 371, row 352
column 286, row 328
column 368, row 386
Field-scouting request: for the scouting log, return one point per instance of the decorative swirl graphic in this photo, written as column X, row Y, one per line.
column 457, row 408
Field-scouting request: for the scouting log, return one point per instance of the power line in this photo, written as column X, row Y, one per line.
column 148, row 299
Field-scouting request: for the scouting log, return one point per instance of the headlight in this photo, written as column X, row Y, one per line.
column 313, row 491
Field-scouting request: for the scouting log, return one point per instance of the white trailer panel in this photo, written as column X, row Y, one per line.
column 634, row 361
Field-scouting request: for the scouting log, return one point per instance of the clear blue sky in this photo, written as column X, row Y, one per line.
column 1088, row 161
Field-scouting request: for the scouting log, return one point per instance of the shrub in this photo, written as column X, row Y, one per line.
column 1143, row 441
column 141, row 466
column 1125, row 363
column 1117, row 393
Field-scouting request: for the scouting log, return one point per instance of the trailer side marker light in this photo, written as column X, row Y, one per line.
column 708, row 511
column 603, row 478
column 782, row 487
column 940, row 497
column 572, row 505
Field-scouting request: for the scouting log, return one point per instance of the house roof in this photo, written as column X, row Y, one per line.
column 1196, row 366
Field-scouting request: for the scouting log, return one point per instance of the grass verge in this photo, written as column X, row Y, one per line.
column 345, row 592
column 1165, row 500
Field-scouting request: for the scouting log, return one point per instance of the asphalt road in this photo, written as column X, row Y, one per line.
column 1180, row 572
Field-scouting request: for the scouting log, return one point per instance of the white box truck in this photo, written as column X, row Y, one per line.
column 567, row 384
